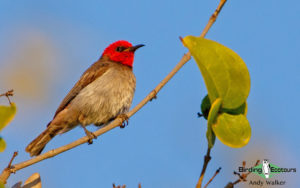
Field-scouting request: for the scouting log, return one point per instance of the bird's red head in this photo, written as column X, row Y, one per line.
column 121, row 51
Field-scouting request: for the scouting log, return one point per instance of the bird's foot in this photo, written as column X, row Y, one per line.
column 124, row 119
column 155, row 95
column 91, row 135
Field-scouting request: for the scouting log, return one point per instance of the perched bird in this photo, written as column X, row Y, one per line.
column 104, row 91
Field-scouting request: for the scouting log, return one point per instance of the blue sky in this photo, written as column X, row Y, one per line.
column 46, row 45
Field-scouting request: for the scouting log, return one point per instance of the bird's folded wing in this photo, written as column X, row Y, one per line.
column 91, row 74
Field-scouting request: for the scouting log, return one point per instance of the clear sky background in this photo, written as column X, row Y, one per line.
column 46, row 45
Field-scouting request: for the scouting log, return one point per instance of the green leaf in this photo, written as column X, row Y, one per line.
column 205, row 106
column 232, row 130
column 2, row 146
column 7, row 113
column 239, row 110
column 225, row 73
column 212, row 116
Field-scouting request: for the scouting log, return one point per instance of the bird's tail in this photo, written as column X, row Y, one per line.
column 38, row 144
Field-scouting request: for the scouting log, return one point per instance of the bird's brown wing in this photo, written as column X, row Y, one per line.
column 91, row 74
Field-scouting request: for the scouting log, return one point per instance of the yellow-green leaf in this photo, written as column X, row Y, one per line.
column 225, row 73
column 232, row 130
column 7, row 113
column 2, row 146
column 212, row 117
column 2, row 185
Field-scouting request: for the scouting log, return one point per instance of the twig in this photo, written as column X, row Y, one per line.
column 242, row 177
column 118, row 121
column 207, row 158
column 213, row 18
column 8, row 170
column 7, row 94
column 212, row 178
column 119, row 186
column 124, row 186
column 12, row 158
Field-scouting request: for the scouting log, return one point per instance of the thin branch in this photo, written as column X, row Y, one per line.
column 242, row 177
column 12, row 159
column 207, row 158
column 124, row 186
column 118, row 121
column 7, row 171
column 119, row 186
column 8, row 94
column 212, row 178
column 213, row 18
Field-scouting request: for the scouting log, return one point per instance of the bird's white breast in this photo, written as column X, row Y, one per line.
column 106, row 97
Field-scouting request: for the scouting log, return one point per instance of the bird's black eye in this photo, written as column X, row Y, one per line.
column 120, row 48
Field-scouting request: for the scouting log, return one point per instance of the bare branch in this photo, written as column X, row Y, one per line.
column 242, row 177
column 12, row 159
column 118, row 121
column 212, row 178
column 8, row 170
column 8, row 94
column 213, row 18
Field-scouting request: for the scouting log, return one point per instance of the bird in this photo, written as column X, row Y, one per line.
column 103, row 92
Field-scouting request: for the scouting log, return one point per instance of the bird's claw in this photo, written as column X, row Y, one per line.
column 89, row 134
column 125, row 119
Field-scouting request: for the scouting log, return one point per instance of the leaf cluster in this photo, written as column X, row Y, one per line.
column 227, row 81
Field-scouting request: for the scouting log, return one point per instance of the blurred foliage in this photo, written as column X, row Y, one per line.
column 2, row 144
column 2, row 185
column 7, row 113
column 228, row 84
column 29, row 65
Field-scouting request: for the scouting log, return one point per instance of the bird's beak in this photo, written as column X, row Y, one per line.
column 134, row 48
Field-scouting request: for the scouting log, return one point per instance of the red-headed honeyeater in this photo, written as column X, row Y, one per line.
column 104, row 91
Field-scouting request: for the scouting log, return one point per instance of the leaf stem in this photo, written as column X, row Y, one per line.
column 207, row 158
